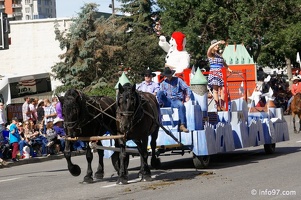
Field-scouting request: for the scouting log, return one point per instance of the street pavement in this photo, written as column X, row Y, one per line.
column 9, row 163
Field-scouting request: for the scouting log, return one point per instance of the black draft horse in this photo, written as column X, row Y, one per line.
column 137, row 117
column 85, row 117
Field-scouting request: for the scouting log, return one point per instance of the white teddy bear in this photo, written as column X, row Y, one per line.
column 177, row 57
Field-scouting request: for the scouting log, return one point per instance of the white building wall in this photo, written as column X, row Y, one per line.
column 33, row 48
column 33, row 51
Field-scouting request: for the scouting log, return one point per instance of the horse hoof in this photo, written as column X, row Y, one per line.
column 75, row 170
column 98, row 176
column 88, row 180
column 146, row 178
column 122, row 181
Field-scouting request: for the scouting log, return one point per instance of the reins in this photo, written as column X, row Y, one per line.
column 82, row 121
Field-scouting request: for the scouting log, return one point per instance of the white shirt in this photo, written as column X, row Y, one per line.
column 2, row 118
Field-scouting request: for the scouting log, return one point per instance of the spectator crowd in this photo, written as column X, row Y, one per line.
column 39, row 133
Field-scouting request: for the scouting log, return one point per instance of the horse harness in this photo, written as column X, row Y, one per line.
column 81, row 122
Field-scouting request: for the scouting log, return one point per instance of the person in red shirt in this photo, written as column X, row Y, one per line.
column 296, row 88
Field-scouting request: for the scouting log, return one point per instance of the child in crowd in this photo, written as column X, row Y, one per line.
column 41, row 138
column 14, row 138
column 51, row 135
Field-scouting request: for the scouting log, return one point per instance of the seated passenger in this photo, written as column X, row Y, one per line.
column 148, row 85
column 172, row 93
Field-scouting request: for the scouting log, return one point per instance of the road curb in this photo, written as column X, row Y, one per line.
column 40, row 159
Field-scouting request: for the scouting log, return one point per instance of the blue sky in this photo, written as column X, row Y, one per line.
column 70, row 8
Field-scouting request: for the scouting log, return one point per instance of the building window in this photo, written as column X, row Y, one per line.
column 27, row 10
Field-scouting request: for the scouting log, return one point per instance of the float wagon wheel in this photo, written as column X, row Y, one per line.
column 201, row 162
column 115, row 160
column 269, row 148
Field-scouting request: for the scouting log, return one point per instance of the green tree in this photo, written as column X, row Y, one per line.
column 141, row 47
column 259, row 25
column 201, row 21
column 90, row 46
column 98, row 50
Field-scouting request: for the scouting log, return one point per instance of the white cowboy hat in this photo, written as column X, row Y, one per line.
column 295, row 78
column 57, row 119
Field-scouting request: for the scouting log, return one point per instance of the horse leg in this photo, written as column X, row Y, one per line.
column 73, row 169
column 89, row 157
column 123, row 173
column 299, row 115
column 144, row 168
column 99, row 174
column 155, row 162
column 295, row 130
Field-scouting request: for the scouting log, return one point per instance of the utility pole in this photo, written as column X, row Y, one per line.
column 4, row 31
column 113, row 7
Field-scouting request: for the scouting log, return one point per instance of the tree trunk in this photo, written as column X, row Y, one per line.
column 289, row 70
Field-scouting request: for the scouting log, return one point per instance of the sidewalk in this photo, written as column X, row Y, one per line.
column 40, row 159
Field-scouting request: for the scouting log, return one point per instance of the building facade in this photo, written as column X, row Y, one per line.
column 28, row 9
column 28, row 61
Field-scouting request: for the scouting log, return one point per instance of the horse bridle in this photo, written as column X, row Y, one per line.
column 135, row 117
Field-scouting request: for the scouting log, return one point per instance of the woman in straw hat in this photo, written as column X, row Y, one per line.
column 215, row 78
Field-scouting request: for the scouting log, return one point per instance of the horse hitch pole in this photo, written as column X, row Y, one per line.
column 95, row 138
column 170, row 134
